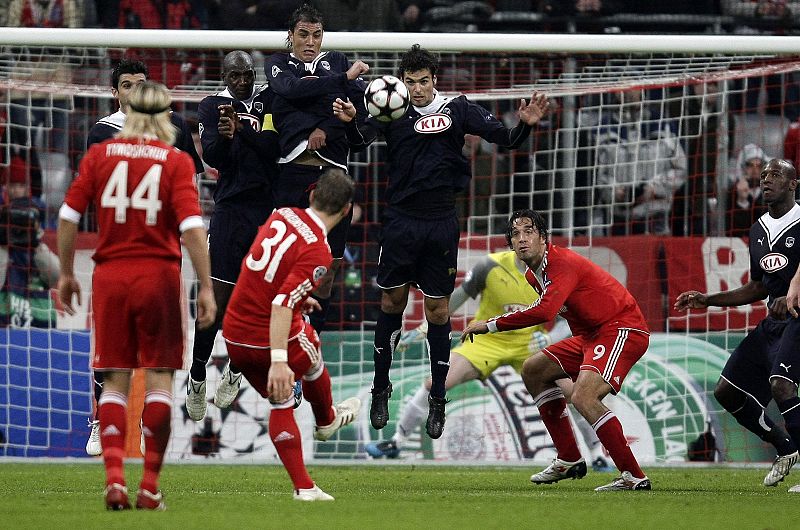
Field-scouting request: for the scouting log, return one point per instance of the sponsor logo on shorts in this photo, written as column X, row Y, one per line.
column 433, row 123
column 773, row 262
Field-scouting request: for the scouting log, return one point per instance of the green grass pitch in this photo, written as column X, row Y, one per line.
column 67, row 496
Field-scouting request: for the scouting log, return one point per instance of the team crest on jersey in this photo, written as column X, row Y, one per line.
column 789, row 242
column 275, row 70
column 773, row 262
column 259, row 106
column 319, row 272
column 433, row 123
column 325, row 64
column 252, row 120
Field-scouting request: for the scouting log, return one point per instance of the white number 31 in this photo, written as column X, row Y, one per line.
column 144, row 197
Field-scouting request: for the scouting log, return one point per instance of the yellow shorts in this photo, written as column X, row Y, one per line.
column 488, row 353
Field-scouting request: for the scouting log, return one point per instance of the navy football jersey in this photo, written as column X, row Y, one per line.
column 425, row 146
column 775, row 251
column 304, row 96
column 249, row 161
column 107, row 127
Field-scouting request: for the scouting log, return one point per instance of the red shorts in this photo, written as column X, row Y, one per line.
column 611, row 352
column 303, row 352
column 137, row 315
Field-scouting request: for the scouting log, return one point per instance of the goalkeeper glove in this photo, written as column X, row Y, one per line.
column 539, row 340
column 418, row 334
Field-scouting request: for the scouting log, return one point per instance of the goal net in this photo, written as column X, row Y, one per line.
column 645, row 167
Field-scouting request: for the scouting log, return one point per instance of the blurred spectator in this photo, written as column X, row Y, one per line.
column 791, row 144
column 746, row 204
column 640, row 163
column 695, row 202
column 45, row 13
column 28, row 268
column 253, row 15
column 782, row 91
column 169, row 66
column 579, row 7
column 413, row 13
column 360, row 15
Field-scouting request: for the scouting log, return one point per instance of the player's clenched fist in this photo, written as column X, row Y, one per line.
column 358, row 68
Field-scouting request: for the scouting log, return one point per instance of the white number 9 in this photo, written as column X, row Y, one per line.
column 599, row 351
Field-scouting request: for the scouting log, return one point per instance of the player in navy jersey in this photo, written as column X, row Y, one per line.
column 306, row 81
column 239, row 140
column 419, row 240
column 766, row 364
column 124, row 77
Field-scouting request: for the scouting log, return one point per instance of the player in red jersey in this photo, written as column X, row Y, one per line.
column 609, row 335
column 145, row 197
column 266, row 334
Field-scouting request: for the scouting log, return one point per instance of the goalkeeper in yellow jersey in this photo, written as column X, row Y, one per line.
column 500, row 281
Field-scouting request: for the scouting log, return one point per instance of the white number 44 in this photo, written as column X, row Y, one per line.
column 144, row 197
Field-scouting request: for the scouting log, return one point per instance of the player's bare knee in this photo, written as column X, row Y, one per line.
column 728, row 396
column 437, row 311
column 394, row 301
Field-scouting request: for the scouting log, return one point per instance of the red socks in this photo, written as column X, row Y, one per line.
column 112, row 412
column 156, row 428
column 553, row 409
column 609, row 430
column 317, row 391
column 287, row 440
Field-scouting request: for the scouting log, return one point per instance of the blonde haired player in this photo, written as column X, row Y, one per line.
column 146, row 199
column 499, row 280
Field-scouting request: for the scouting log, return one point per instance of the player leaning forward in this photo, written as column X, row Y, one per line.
column 146, row 198
column 266, row 334
column 608, row 338
column 420, row 232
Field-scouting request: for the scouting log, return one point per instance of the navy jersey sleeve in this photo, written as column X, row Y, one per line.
column 481, row 122
column 286, row 83
column 185, row 142
column 361, row 132
column 215, row 147
column 99, row 133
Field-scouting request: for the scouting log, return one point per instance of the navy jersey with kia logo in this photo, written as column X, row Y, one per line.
column 425, row 147
column 775, row 251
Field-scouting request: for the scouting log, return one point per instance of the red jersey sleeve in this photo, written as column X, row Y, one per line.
column 304, row 276
column 559, row 283
column 184, row 197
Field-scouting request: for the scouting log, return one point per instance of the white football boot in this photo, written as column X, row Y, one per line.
column 196, row 402
column 311, row 494
column 346, row 413
column 93, row 447
column 626, row 482
column 780, row 468
column 559, row 470
column 228, row 388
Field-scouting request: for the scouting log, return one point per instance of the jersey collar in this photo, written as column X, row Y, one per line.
column 317, row 220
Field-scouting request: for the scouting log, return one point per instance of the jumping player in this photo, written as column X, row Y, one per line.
column 266, row 334
column 766, row 364
column 306, row 81
column 146, row 198
column 608, row 338
column 420, row 232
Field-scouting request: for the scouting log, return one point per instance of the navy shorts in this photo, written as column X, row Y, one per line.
column 771, row 350
column 292, row 188
column 417, row 251
column 231, row 232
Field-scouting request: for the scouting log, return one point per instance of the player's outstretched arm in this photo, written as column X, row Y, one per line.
column 195, row 241
column 68, row 286
column 531, row 113
column 479, row 327
column 748, row 293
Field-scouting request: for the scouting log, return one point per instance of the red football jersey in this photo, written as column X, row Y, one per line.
column 285, row 263
column 144, row 193
column 584, row 294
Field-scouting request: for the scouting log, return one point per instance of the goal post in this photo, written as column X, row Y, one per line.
column 636, row 168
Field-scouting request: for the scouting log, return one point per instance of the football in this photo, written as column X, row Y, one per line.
column 386, row 98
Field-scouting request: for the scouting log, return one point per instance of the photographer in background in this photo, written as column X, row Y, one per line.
column 28, row 268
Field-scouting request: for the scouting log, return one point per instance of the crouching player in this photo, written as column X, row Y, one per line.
column 266, row 334
column 145, row 196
